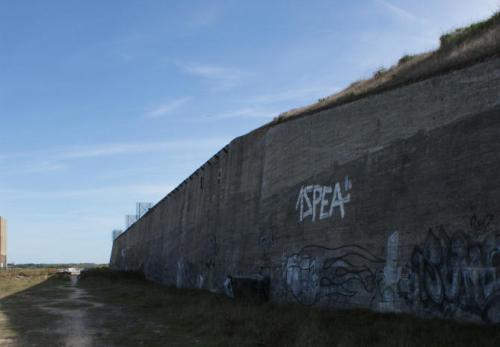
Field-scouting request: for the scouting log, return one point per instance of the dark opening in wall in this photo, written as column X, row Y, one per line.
column 219, row 175
column 201, row 182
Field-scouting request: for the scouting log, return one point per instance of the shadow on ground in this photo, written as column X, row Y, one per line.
column 23, row 319
column 110, row 310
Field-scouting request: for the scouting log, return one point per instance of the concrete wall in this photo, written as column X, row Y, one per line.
column 3, row 243
column 391, row 203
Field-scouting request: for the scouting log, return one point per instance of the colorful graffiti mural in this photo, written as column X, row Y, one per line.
column 452, row 276
column 455, row 275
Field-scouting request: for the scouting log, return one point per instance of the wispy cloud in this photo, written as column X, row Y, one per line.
column 150, row 191
column 465, row 12
column 400, row 12
column 203, row 17
column 59, row 159
column 270, row 104
column 246, row 112
column 295, row 95
column 103, row 150
column 44, row 167
column 11, row 156
column 221, row 77
column 166, row 108
column 109, row 149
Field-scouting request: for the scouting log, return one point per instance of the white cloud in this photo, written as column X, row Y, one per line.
column 10, row 156
column 400, row 12
column 295, row 95
column 167, row 107
column 58, row 159
column 110, row 149
column 203, row 17
column 221, row 77
column 247, row 112
column 271, row 104
column 139, row 191
column 45, row 167
column 465, row 12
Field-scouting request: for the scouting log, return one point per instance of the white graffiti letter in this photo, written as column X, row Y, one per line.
column 317, row 197
column 348, row 186
column 324, row 202
column 309, row 211
column 337, row 201
column 300, row 203
column 314, row 200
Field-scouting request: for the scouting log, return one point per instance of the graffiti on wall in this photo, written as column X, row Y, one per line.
column 321, row 202
column 267, row 238
column 451, row 275
column 316, row 272
column 455, row 275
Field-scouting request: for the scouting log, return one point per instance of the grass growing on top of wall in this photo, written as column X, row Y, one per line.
column 461, row 35
column 139, row 312
column 458, row 49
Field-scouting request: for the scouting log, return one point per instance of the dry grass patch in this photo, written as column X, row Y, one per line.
column 138, row 312
column 16, row 280
column 458, row 49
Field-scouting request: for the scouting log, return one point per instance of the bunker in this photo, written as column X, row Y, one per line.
column 390, row 201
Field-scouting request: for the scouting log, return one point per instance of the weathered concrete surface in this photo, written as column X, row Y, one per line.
column 391, row 202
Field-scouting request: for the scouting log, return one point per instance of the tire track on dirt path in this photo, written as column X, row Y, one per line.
column 74, row 323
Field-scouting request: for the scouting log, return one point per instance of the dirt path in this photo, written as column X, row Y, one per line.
column 73, row 327
column 64, row 312
column 107, row 309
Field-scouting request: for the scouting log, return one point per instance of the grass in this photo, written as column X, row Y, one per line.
column 16, row 280
column 458, row 49
column 405, row 59
column 162, row 315
column 461, row 35
column 123, row 309
column 21, row 321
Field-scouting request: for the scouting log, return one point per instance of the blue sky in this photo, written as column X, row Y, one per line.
column 105, row 103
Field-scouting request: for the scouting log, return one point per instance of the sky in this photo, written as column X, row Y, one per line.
column 107, row 103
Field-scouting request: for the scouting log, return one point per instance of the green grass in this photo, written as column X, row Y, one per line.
column 157, row 315
column 22, row 321
column 461, row 35
column 458, row 49
column 123, row 309
column 13, row 281
column 405, row 58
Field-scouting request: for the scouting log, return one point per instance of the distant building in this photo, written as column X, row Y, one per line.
column 3, row 243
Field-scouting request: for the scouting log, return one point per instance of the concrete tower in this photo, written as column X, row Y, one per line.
column 3, row 243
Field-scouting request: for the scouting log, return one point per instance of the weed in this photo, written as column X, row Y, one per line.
column 461, row 35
